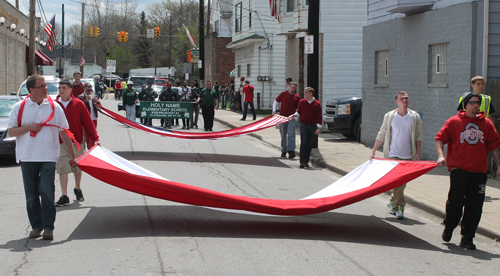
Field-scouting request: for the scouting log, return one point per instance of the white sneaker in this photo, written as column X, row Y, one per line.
column 400, row 213
column 391, row 206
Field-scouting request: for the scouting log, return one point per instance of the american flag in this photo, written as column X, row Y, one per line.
column 191, row 38
column 273, row 4
column 50, row 30
column 82, row 61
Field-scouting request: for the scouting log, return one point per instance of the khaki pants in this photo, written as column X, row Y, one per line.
column 398, row 195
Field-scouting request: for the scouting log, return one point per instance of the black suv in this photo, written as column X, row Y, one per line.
column 343, row 115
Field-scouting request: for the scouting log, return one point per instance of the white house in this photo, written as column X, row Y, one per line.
column 259, row 51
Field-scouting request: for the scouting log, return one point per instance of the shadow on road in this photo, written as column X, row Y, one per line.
column 202, row 158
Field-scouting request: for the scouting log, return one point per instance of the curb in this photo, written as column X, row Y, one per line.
column 415, row 203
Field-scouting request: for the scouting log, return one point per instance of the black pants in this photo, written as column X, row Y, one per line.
column 306, row 141
column 208, row 116
column 466, row 193
column 246, row 109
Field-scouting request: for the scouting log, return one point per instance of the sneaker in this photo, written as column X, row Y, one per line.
column 400, row 213
column 48, row 234
column 466, row 242
column 283, row 154
column 291, row 154
column 301, row 166
column 446, row 236
column 79, row 194
column 391, row 206
column 63, row 200
column 35, row 233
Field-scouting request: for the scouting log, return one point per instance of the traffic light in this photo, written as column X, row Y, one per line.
column 92, row 30
column 96, row 31
column 125, row 36
column 157, row 31
column 120, row 35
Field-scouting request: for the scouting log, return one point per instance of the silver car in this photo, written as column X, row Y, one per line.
column 7, row 144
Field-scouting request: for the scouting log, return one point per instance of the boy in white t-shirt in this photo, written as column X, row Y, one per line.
column 402, row 131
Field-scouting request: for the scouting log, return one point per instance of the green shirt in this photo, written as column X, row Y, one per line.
column 148, row 94
column 129, row 97
column 208, row 96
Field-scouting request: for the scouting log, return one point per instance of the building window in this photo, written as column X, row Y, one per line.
column 249, row 69
column 290, row 5
column 382, row 67
column 250, row 14
column 239, row 71
column 216, row 27
column 438, row 63
column 237, row 23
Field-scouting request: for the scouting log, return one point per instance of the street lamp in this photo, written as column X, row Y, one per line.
column 2, row 20
column 20, row 32
column 12, row 27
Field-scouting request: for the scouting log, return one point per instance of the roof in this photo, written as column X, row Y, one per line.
column 73, row 54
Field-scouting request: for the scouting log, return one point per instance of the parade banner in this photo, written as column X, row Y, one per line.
column 252, row 127
column 163, row 110
column 369, row 179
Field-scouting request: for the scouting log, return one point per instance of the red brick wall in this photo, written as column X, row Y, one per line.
column 219, row 58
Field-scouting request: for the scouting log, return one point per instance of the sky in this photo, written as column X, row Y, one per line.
column 72, row 10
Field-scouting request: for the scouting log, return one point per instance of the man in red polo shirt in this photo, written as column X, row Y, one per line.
column 78, row 86
column 79, row 120
column 248, row 91
column 289, row 102
column 311, row 122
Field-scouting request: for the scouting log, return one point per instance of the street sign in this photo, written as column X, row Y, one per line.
column 165, row 110
column 150, row 33
column 186, row 76
column 309, row 44
column 111, row 66
column 193, row 55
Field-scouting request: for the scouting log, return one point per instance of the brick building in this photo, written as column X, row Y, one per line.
column 219, row 60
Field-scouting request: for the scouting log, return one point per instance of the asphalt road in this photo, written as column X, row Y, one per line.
column 115, row 232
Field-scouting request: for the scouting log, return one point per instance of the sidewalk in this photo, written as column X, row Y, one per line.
column 428, row 192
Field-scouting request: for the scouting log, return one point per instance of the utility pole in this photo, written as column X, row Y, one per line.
column 81, row 36
column 62, row 33
column 170, row 48
column 208, row 17
column 313, row 59
column 31, row 67
column 202, row 43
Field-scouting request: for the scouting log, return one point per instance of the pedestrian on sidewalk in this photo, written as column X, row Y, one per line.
column 79, row 121
column 248, row 91
column 37, row 151
column 477, row 84
column 402, row 133
column 289, row 103
column 469, row 137
column 311, row 122
column 207, row 99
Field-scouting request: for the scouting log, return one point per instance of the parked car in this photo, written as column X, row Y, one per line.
column 52, row 90
column 110, row 78
column 343, row 115
column 7, row 143
column 140, row 80
column 161, row 81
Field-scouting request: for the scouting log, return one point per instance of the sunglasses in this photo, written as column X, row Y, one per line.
column 474, row 102
column 89, row 90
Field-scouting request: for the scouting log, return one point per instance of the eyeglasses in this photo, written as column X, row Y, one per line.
column 42, row 86
column 89, row 90
column 474, row 102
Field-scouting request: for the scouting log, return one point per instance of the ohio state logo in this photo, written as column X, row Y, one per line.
column 472, row 134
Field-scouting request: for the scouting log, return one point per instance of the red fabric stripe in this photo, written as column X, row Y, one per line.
column 178, row 192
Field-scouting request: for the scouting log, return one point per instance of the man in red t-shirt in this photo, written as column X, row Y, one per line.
column 311, row 122
column 289, row 102
column 248, row 91
column 78, row 86
column 469, row 137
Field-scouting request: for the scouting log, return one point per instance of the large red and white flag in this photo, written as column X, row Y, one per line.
column 369, row 179
column 273, row 4
column 190, row 37
column 50, row 30
column 255, row 126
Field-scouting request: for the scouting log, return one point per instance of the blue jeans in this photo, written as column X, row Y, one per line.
column 130, row 109
column 223, row 101
column 287, row 131
column 306, row 141
column 38, row 178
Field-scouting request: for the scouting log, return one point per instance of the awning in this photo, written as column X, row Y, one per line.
column 232, row 73
column 41, row 58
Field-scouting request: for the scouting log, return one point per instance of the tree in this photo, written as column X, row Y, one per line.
column 123, row 56
column 142, row 48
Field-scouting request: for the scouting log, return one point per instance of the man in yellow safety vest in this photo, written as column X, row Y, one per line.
column 477, row 84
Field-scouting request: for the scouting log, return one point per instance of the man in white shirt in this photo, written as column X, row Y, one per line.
column 402, row 132
column 37, row 123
